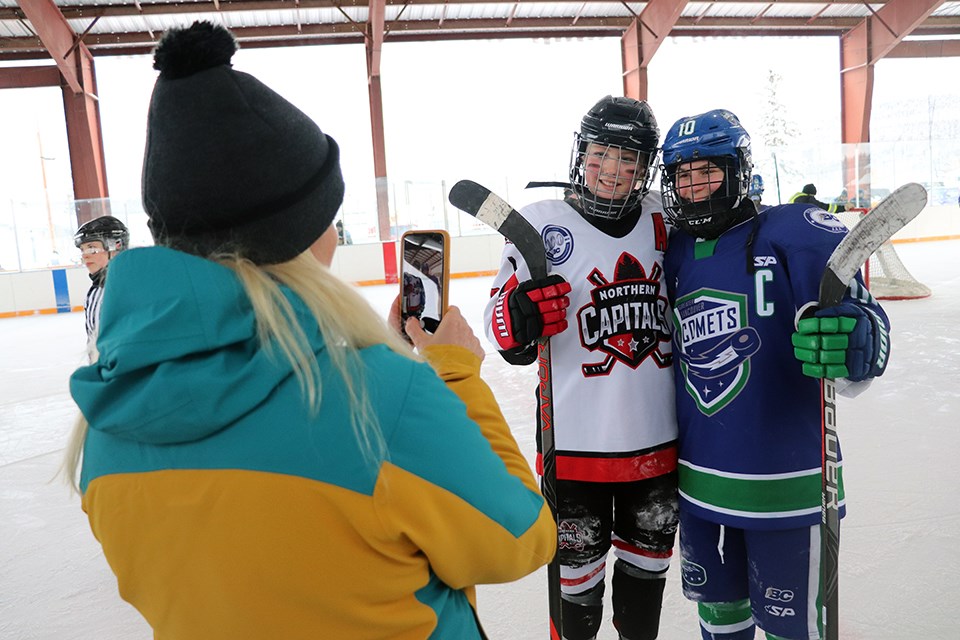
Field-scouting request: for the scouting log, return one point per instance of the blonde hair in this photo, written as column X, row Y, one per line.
column 346, row 320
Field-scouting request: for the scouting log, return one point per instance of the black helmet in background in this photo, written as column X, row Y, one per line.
column 106, row 229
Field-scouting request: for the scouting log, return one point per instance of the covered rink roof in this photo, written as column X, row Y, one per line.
column 131, row 26
column 70, row 34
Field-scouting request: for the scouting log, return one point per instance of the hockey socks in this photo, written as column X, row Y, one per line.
column 726, row 620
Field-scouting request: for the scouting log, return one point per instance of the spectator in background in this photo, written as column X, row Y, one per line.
column 807, row 196
column 99, row 240
column 343, row 236
column 843, row 199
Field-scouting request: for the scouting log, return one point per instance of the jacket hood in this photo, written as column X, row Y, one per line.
column 179, row 354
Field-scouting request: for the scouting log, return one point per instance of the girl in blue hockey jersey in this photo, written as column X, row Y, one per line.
column 741, row 282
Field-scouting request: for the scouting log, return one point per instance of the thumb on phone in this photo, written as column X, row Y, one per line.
column 415, row 332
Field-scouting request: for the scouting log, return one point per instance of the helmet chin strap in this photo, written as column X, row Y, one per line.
column 592, row 204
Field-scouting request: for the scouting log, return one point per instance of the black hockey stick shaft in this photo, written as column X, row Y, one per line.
column 888, row 217
column 494, row 211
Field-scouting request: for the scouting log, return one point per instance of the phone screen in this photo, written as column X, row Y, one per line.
column 423, row 278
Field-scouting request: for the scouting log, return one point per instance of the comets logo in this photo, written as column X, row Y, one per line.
column 692, row 573
column 716, row 345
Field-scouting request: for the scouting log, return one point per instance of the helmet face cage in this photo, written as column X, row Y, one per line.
column 614, row 157
column 106, row 230
column 709, row 216
column 609, row 179
column 718, row 138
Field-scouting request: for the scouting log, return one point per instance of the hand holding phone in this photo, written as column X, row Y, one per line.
column 424, row 277
column 453, row 330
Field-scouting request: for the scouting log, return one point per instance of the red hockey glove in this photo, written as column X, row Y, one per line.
column 533, row 309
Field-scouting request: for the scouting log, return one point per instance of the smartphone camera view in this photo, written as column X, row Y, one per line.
column 424, row 275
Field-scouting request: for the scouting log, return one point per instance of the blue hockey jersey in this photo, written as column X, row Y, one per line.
column 750, row 422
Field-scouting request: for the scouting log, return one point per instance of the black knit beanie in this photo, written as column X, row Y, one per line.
column 230, row 166
column 809, row 189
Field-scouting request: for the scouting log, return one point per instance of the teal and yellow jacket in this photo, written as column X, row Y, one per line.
column 227, row 509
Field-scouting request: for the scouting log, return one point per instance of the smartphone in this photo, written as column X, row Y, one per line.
column 424, row 277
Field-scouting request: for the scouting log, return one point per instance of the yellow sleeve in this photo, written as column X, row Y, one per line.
column 464, row 497
column 460, row 370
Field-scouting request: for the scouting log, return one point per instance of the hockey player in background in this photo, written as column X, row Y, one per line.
column 614, row 421
column 756, row 191
column 750, row 442
column 99, row 240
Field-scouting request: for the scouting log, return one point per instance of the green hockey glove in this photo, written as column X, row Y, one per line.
column 846, row 341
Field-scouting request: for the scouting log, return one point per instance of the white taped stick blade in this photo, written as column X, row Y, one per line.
column 885, row 274
column 876, row 228
column 494, row 211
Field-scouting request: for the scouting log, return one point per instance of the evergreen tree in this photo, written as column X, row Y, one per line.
column 777, row 134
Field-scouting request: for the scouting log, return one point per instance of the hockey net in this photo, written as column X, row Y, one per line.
column 885, row 275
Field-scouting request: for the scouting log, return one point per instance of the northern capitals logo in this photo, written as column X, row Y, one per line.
column 625, row 319
column 569, row 536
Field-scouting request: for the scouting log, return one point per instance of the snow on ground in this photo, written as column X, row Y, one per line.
column 900, row 560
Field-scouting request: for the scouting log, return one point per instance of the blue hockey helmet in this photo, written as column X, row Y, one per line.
column 716, row 137
column 618, row 128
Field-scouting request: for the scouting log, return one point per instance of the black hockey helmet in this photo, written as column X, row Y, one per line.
column 106, row 229
column 616, row 122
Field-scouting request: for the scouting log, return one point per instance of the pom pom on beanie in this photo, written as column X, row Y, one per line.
column 230, row 166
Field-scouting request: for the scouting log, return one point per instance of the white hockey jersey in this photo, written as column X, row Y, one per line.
column 613, row 393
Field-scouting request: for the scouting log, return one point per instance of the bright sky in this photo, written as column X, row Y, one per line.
column 478, row 109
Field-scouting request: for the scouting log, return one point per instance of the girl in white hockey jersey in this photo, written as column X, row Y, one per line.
column 604, row 304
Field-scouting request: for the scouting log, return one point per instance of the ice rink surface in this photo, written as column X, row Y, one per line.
column 900, row 551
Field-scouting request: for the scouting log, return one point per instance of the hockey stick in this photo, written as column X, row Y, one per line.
column 560, row 185
column 491, row 209
column 888, row 217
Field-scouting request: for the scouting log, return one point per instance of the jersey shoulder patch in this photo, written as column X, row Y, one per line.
column 823, row 220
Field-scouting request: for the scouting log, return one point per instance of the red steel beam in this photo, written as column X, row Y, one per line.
column 374, row 46
column 29, row 77
column 896, row 20
column 81, row 111
column 861, row 48
column 926, row 49
column 84, row 134
column 57, row 37
column 641, row 40
column 856, row 84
